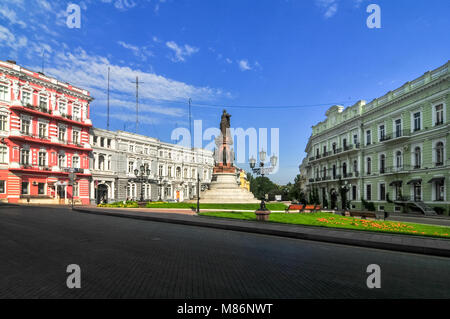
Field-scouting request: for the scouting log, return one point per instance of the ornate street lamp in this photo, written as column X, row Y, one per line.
column 263, row 212
column 142, row 176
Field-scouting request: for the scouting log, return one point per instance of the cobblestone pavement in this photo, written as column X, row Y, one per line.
column 127, row 258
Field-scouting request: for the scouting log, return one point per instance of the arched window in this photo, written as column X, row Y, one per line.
column 417, row 157
column 439, row 154
column 178, row 172
column 355, row 166
column 344, row 169
column 369, row 166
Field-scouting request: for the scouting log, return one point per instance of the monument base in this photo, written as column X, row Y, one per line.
column 224, row 189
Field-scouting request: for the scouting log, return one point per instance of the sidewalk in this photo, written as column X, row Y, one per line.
column 403, row 243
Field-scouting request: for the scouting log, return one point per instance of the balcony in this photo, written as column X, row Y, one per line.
column 28, row 168
column 42, row 139
column 43, row 111
column 397, row 136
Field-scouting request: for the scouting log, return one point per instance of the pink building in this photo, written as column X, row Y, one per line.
column 44, row 136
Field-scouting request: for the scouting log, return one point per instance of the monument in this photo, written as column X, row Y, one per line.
column 224, row 186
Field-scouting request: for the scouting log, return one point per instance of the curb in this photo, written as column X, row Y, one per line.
column 425, row 250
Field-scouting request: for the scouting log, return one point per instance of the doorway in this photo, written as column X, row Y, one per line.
column 102, row 194
column 61, row 192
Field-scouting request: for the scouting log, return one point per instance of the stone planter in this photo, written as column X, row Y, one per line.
column 262, row 215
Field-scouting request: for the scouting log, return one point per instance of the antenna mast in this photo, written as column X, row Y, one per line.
column 107, row 123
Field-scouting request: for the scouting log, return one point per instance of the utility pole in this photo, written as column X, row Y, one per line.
column 190, row 123
column 107, row 123
column 137, row 102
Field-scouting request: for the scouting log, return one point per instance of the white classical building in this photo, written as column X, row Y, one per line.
column 173, row 168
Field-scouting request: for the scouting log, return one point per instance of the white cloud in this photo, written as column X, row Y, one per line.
column 329, row 6
column 8, row 40
column 181, row 52
column 244, row 66
column 141, row 53
column 11, row 16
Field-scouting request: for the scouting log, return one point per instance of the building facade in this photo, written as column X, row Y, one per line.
column 44, row 137
column 173, row 168
column 392, row 152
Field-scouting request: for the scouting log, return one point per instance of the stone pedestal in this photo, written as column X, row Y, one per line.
column 225, row 189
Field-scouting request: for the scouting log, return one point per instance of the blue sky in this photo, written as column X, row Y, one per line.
column 228, row 53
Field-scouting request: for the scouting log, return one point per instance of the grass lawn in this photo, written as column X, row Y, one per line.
column 253, row 207
column 336, row 221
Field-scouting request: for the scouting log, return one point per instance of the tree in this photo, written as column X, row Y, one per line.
column 260, row 186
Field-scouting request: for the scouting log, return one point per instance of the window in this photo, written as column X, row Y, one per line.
column 41, row 189
column 131, row 148
column 382, row 130
column 2, row 187
column 439, row 154
column 3, row 154
column 130, row 167
column 109, row 162
column 355, row 139
column 75, row 162
column 355, row 166
column 439, row 114
column 160, row 171
column 75, row 137
column 344, row 169
column 334, row 171
column 344, row 143
column 95, row 140
column 398, row 160
column 185, row 173
column 61, row 160
column 42, row 130
column 334, row 148
column 369, row 192
column 3, row 92
column 368, row 137
column 25, row 157
column 3, row 123
column 42, row 159
column 26, row 124
column 76, row 191
column 439, row 189
column 398, row 128
column 102, row 142
column 383, row 192
column 26, row 97
column 324, row 172
column 369, row 166
column 76, row 113
column 62, row 134
column 169, row 169
column 417, row 157
column 43, row 102
column 178, row 173
column 63, row 108
column 354, row 192
column 109, row 143
column 417, row 121
column 25, row 188
column 382, row 163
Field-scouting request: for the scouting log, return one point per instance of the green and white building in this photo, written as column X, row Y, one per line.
column 393, row 151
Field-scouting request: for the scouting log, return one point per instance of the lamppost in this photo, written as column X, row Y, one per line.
column 142, row 176
column 160, row 184
column 263, row 213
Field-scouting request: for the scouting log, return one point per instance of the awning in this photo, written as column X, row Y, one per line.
column 415, row 181
column 396, row 183
column 436, row 179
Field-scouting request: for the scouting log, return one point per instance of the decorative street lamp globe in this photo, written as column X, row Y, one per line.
column 273, row 160
column 262, row 156
column 252, row 162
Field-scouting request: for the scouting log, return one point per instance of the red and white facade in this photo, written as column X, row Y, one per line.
column 44, row 135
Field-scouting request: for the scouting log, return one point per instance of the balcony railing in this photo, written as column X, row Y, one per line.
column 395, row 135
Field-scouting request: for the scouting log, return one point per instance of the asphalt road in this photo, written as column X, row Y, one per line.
column 127, row 258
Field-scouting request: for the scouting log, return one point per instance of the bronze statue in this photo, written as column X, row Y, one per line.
column 225, row 122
